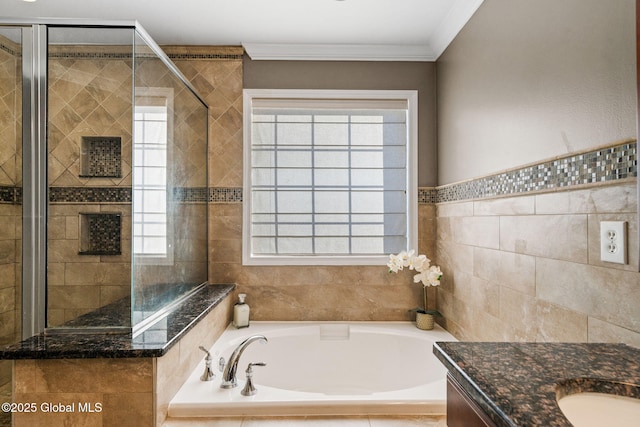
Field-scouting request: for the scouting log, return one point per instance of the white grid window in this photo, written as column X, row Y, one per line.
column 150, row 228
column 329, row 176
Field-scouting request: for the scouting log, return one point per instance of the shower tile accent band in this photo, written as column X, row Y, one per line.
column 118, row 194
column 600, row 165
column 10, row 194
column 224, row 53
column 89, row 195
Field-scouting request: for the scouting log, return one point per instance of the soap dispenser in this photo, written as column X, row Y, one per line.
column 241, row 312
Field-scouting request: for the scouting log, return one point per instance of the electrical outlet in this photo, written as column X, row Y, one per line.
column 613, row 241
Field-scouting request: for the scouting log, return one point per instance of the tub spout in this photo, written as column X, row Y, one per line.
column 229, row 375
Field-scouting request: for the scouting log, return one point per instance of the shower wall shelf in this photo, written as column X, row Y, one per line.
column 100, row 233
column 101, row 157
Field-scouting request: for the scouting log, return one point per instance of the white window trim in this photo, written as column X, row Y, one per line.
column 410, row 96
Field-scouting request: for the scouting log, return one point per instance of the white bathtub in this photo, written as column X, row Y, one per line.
column 324, row 368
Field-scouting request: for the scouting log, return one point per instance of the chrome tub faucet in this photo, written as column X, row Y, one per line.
column 229, row 375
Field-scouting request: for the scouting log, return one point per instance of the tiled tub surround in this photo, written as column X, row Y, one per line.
column 528, row 268
column 503, row 279
column 517, row 384
column 133, row 379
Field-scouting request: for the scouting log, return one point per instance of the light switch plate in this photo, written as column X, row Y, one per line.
column 613, row 241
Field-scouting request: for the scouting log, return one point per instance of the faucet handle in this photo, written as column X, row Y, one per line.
column 206, row 351
column 249, row 389
column 221, row 364
column 254, row 364
column 208, row 374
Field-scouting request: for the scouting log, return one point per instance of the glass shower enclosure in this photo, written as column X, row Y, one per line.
column 104, row 169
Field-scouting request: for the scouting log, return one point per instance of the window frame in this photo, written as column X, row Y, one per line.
column 411, row 98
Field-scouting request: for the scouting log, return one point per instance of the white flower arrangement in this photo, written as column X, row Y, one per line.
column 428, row 275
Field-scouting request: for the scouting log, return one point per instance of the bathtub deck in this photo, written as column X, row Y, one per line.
column 354, row 421
column 207, row 400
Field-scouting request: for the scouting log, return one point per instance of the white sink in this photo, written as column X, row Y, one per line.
column 590, row 409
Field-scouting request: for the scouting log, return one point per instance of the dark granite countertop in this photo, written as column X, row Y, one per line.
column 153, row 342
column 517, row 383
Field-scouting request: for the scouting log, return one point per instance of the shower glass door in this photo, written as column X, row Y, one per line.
column 89, row 140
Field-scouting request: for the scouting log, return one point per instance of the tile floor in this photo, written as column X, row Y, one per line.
column 315, row 421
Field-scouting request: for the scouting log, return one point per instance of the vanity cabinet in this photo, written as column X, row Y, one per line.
column 462, row 410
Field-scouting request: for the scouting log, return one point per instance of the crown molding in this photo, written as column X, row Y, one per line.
column 338, row 52
column 438, row 41
column 453, row 22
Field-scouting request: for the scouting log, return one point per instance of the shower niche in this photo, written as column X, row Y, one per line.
column 100, row 233
column 123, row 136
column 101, row 157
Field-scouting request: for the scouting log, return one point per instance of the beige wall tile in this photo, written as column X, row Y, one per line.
column 559, row 324
column 522, row 205
column 128, row 410
column 7, row 276
column 453, row 257
column 444, row 210
column 476, row 231
column 549, row 290
column 91, row 375
column 73, row 297
column 600, row 331
column 552, row 236
column 24, row 376
column 7, row 251
column 174, row 368
column 46, row 414
column 481, row 294
column 507, row 269
column 603, row 293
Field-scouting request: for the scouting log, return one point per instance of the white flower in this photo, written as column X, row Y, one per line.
column 394, row 264
column 405, row 257
column 434, row 275
column 419, row 263
column 428, row 275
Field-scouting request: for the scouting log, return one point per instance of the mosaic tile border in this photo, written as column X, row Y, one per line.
column 118, row 195
column 225, row 195
column 191, row 56
column 175, row 53
column 190, row 194
column 600, row 165
column 10, row 194
column 89, row 195
column 10, row 47
column 427, row 195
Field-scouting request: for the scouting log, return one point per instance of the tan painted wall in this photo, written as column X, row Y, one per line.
column 530, row 80
column 420, row 76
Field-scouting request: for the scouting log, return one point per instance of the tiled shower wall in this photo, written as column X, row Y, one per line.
column 526, row 267
column 89, row 95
